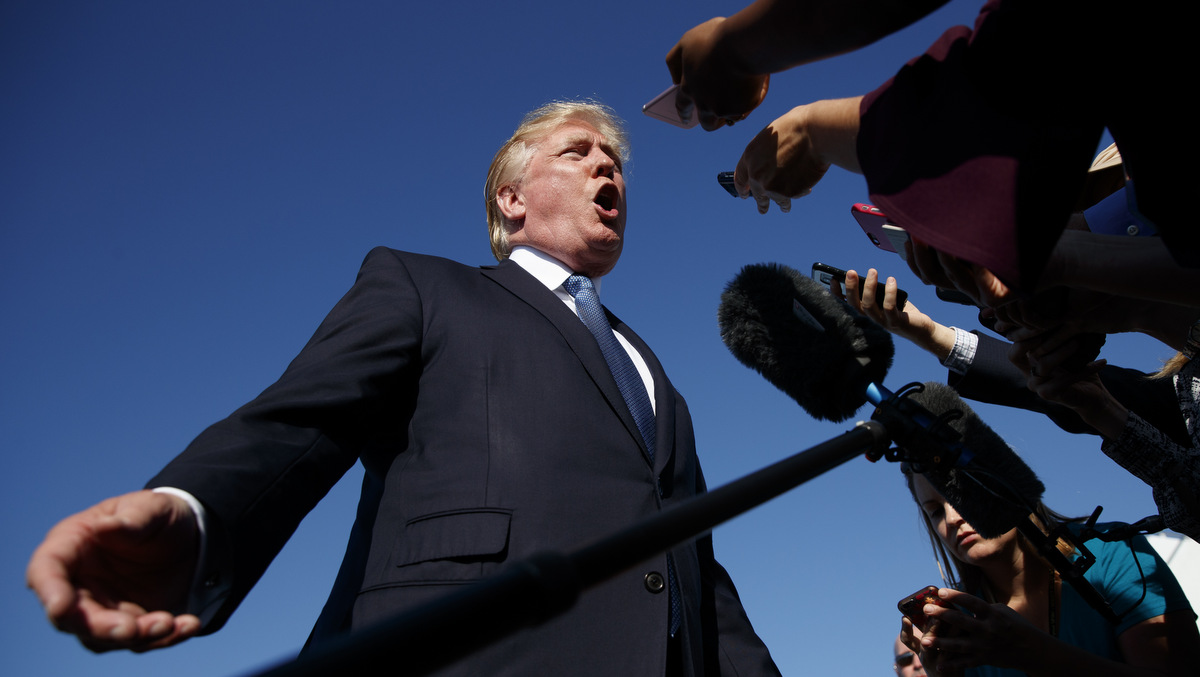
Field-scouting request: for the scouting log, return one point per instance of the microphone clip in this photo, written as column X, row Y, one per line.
column 923, row 441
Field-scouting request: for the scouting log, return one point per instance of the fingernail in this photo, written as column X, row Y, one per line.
column 121, row 632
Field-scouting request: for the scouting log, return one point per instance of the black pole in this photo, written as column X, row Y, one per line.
column 534, row 590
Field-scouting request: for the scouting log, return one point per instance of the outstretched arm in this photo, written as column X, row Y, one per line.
column 117, row 575
column 723, row 64
column 787, row 158
column 879, row 302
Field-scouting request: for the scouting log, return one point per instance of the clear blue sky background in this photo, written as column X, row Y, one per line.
column 187, row 188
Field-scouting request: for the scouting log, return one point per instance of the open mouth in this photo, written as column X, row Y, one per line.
column 606, row 197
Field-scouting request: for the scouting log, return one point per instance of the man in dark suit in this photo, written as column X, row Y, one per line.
column 492, row 424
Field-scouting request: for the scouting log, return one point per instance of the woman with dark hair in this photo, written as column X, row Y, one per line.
column 1007, row 611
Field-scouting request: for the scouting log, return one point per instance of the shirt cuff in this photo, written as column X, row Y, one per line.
column 962, row 355
column 209, row 588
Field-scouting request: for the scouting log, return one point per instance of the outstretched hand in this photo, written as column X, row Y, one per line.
column 880, row 302
column 711, row 86
column 789, row 156
column 117, row 575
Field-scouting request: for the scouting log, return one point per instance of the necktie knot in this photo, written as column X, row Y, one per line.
column 578, row 283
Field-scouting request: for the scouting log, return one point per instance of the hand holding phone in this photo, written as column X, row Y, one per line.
column 726, row 181
column 662, row 107
column 913, row 606
column 879, row 228
column 825, row 274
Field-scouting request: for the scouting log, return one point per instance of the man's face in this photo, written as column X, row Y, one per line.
column 907, row 663
column 570, row 203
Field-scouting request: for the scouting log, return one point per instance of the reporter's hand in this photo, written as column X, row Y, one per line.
column 910, row 636
column 944, row 270
column 711, row 84
column 117, row 575
column 880, row 304
column 1040, row 358
column 986, row 634
column 780, row 163
column 789, row 156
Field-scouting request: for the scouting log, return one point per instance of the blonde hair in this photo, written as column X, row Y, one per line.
column 1171, row 367
column 508, row 167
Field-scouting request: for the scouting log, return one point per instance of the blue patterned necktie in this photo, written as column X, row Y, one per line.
column 629, row 382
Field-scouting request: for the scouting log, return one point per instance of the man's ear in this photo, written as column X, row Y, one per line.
column 511, row 203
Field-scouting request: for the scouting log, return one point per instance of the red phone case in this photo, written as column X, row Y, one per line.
column 913, row 606
column 871, row 219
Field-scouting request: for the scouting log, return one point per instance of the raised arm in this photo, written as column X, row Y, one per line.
column 787, row 158
column 723, row 64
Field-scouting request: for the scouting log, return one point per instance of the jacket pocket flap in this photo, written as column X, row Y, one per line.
column 454, row 534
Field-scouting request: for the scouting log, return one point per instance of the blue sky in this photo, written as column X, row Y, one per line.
column 187, row 188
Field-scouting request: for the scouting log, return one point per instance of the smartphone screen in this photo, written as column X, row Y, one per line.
column 662, row 107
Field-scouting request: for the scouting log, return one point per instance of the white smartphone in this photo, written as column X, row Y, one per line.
column 897, row 236
column 662, row 107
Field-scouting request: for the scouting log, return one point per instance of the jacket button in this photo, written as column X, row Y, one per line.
column 655, row 582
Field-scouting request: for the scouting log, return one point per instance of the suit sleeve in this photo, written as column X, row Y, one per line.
column 992, row 378
column 259, row 471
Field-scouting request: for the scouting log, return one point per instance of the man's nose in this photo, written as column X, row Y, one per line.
column 605, row 165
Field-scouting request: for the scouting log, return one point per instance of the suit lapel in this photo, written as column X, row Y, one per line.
column 664, row 397
column 525, row 287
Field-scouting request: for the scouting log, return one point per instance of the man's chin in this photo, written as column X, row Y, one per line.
column 601, row 261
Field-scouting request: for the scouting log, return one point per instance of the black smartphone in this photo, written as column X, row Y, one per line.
column 954, row 296
column 825, row 274
column 913, row 606
column 726, row 181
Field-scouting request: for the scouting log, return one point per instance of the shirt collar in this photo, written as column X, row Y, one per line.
column 547, row 269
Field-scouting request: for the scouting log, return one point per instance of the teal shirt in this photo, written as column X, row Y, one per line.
column 1116, row 577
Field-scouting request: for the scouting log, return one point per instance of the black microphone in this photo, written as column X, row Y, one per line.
column 827, row 357
column 993, row 490
column 807, row 343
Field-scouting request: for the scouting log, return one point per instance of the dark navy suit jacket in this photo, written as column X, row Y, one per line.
column 994, row 379
column 490, row 428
